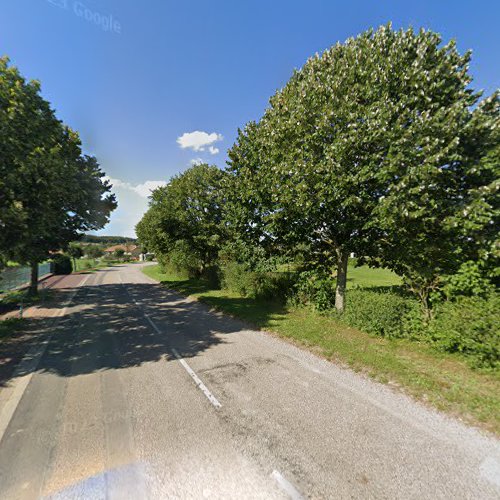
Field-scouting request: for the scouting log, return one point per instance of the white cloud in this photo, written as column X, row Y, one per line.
column 198, row 141
column 213, row 150
column 132, row 204
column 196, row 161
column 143, row 189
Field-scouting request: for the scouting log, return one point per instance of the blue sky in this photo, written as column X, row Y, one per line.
column 137, row 78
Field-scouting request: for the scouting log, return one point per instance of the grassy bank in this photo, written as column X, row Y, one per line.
column 442, row 380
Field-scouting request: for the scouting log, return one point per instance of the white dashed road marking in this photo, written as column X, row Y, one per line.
column 203, row 388
column 197, row 381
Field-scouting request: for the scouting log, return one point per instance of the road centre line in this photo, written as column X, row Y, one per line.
column 197, row 381
column 286, row 486
column 203, row 388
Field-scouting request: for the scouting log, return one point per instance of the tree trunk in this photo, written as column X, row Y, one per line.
column 33, row 289
column 342, row 260
column 426, row 305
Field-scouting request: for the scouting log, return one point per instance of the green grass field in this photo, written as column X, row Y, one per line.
column 365, row 276
column 442, row 380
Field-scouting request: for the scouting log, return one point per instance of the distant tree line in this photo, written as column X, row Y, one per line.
column 377, row 147
column 107, row 240
column 50, row 191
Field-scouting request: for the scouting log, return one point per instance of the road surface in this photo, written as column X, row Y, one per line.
column 136, row 392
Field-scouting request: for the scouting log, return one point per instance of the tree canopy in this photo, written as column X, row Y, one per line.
column 378, row 147
column 372, row 147
column 186, row 213
column 50, row 191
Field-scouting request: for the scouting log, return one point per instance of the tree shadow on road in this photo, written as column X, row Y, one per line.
column 104, row 328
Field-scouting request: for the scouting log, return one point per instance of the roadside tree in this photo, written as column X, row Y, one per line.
column 50, row 191
column 365, row 150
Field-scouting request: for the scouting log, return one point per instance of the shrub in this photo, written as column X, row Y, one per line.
column 469, row 280
column 273, row 285
column 469, row 325
column 211, row 274
column 383, row 312
column 237, row 277
column 62, row 264
column 315, row 288
column 108, row 257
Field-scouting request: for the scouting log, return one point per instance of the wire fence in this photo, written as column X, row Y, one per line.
column 19, row 276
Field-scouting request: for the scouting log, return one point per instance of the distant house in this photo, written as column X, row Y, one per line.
column 131, row 250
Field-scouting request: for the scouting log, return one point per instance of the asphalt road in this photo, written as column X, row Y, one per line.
column 136, row 392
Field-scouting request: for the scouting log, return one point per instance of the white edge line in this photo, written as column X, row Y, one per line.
column 286, row 486
column 29, row 364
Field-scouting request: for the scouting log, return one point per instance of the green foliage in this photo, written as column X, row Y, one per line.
column 182, row 259
column 267, row 285
column 75, row 251
column 470, row 326
column 469, row 280
column 247, row 269
column 62, row 264
column 374, row 146
column 467, row 325
column 384, row 311
column 186, row 214
column 50, row 190
column 379, row 146
column 107, row 240
column 107, row 257
column 119, row 253
column 93, row 251
column 315, row 288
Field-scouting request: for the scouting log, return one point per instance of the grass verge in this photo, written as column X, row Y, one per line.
column 14, row 299
column 90, row 265
column 442, row 380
